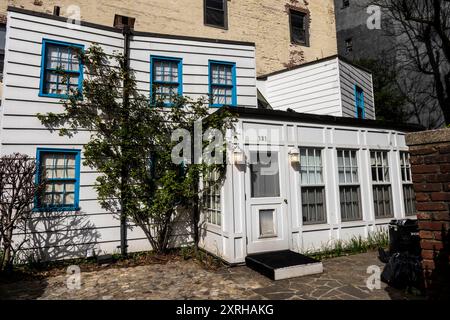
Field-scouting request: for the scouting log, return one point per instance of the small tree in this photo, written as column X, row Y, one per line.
column 17, row 191
column 131, row 146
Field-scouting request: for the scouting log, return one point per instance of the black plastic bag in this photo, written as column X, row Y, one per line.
column 403, row 271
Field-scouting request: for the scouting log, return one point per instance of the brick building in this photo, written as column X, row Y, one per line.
column 430, row 159
column 265, row 22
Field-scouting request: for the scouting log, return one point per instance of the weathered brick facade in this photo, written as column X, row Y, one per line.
column 430, row 159
column 265, row 22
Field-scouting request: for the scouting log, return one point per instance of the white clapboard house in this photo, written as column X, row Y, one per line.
column 335, row 172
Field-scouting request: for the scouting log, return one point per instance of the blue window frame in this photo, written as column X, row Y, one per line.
column 222, row 83
column 60, row 171
column 61, row 69
column 166, row 79
column 359, row 103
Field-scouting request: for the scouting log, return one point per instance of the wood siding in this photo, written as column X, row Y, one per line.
column 310, row 89
column 73, row 234
column 324, row 87
column 349, row 77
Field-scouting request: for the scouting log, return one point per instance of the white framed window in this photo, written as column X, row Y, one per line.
column 409, row 197
column 312, row 186
column 211, row 205
column 349, row 187
column 382, row 191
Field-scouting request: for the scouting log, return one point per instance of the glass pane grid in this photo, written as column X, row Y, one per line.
column 348, row 167
column 311, row 166
column 380, row 166
column 409, row 198
column 165, row 80
column 382, row 198
column 62, row 70
column 313, row 205
column 58, row 170
column 212, row 199
column 222, row 85
column 405, row 167
column 350, row 199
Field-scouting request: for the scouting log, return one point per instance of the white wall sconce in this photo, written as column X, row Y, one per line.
column 238, row 156
column 294, row 156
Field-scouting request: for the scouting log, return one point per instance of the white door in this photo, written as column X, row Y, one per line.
column 266, row 204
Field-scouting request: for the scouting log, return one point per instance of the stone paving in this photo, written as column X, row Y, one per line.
column 344, row 279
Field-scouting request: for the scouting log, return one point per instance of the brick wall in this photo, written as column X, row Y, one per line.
column 264, row 22
column 430, row 159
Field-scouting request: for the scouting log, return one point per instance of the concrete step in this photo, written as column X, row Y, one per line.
column 286, row 264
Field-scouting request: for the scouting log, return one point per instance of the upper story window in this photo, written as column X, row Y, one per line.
column 382, row 193
column 60, row 169
column 349, row 189
column 349, row 45
column 166, row 79
column 61, row 69
column 359, row 102
column 409, row 196
column 345, row 3
column 222, row 83
column 299, row 26
column 312, row 186
column 215, row 13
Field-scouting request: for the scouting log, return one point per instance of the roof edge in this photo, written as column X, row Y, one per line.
column 117, row 30
column 324, row 119
column 336, row 56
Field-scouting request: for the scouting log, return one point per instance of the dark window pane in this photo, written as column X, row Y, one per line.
column 216, row 4
column 382, row 201
column 313, row 208
column 214, row 17
column 298, row 27
column 215, row 13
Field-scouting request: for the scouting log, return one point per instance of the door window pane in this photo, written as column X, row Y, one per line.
column 265, row 174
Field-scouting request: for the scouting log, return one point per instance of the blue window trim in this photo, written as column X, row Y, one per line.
column 180, row 76
column 359, row 93
column 210, row 84
column 77, row 152
column 44, row 67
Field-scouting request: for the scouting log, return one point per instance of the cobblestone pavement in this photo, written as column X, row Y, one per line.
column 344, row 278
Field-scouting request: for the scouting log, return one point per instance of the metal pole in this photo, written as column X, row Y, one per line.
column 126, row 100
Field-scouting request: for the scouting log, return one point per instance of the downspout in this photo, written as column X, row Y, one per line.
column 125, row 173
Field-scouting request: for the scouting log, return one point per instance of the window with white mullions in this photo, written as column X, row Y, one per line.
column 212, row 199
column 349, row 188
column 409, row 197
column 312, row 186
column 382, row 193
column 62, row 69
column 166, row 82
column 222, row 84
